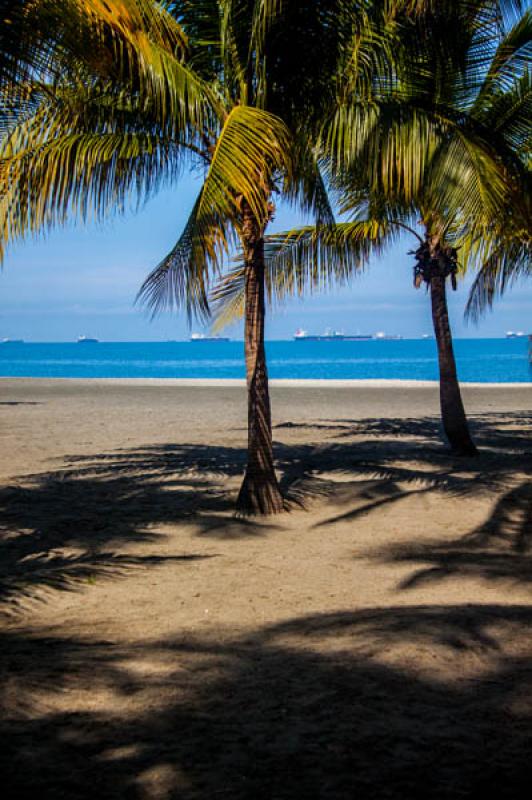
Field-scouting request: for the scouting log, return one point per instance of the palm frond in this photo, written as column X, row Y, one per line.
column 251, row 148
column 306, row 187
column 136, row 43
column 264, row 13
column 384, row 147
column 181, row 279
column 80, row 153
column 507, row 262
column 509, row 115
column 305, row 260
column 466, row 181
column 511, row 60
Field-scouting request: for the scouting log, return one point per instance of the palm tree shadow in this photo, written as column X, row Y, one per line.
column 313, row 707
column 498, row 550
column 20, row 402
column 64, row 528
column 398, row 458
column 509, row 430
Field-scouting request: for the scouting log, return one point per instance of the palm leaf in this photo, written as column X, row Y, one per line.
column 509, row 115
column 507, row 262
column 305, row 187
column 73, row 156
column 181, row 278
column 304, row 260
column 252, row 146
column 133, row 42
column 510, row 61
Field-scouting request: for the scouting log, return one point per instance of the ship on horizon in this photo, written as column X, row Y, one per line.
column 340, row 336
column 388, row 337
column 87, row 340
column 202, row 337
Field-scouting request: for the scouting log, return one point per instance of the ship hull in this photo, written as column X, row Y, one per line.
column 333, row 338
column 209, row 339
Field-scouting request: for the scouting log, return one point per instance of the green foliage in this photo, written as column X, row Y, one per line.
column 406, row 107
column 100, row 108
column 442, row 136
column 146, row 89
column 305, row 260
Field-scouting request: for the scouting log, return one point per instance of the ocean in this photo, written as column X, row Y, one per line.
column 479, row 360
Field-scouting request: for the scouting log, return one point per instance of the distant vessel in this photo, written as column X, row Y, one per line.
column 87, row 340
column 427, row 336
column 514, row 334
column 331, row 336
column 393, row 337
column 12, row 341
column 201, row 337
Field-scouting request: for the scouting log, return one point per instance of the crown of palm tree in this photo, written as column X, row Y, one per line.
column 447, row 139
column 103, row 102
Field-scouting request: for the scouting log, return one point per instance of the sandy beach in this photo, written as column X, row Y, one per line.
column 375, row 642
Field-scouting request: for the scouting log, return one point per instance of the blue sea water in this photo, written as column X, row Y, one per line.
column 479, row 360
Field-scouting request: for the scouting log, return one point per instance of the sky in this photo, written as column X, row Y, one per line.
column 82, row 280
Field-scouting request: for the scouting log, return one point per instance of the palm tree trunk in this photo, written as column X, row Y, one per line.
column 260, row 492
column 452, row 408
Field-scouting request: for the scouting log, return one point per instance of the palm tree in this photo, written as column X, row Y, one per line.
column 446, row 142
column 232, row 87
column 271, row 92
column 471, row 191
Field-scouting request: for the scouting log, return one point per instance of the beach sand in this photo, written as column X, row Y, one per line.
column 375, row 642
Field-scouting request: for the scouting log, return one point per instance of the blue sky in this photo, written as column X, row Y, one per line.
column 83, row 280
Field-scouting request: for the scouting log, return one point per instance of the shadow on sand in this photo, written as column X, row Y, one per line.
column 499, row 549
column 62, row 528
column 317, row 707
column 396, row 702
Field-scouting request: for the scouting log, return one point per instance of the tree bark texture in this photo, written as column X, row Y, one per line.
column 452, row 408
column 260, row 492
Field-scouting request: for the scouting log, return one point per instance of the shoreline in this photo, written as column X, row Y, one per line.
column 292, row 383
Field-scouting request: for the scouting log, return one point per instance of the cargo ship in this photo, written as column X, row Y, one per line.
column 201, row 337
column 87, row 340
column 381, row 336
column 331, row 336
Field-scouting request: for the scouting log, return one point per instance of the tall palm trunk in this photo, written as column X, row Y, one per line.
column 260, row 492
column 452, row 408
